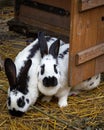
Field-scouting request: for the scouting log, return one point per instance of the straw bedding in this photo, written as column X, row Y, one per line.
column 85, row 111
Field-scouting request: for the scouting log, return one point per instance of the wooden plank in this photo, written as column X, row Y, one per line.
column 65, row 4
column 44, row 20
column 83, row 35
column 44, row 17
column 89, row 4
column 43, row 26
column 100, row 39
column 89, row 54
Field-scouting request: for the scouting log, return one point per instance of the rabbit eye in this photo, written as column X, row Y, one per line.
column 42, row 69
column 27, row 100
column 9, row 101
column 55, row 69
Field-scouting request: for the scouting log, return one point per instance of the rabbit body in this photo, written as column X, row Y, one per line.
column 86, row 85
column 22, row 76
column 53, row 75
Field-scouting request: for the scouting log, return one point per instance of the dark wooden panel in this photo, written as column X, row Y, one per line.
column 44, row 20
column 45, row 17
column 65, row 4
column 89, row 4
column 89, row 54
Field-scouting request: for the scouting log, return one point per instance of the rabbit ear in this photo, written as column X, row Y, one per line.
column 10, row 71
column 54, row 48
column 42, row 44
column 23, row 76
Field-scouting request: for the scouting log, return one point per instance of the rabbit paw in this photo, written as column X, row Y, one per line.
column 46, row 99
column 63, row 102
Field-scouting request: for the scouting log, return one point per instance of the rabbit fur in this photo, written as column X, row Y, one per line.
column 22, row 77
column 53, row 74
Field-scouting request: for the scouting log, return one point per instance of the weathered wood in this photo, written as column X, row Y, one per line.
column 44, row 20
column 89, row 54
column 85, row 30
column 89, row 4
column 65, row 4
column 45, row 17
column 100, row 39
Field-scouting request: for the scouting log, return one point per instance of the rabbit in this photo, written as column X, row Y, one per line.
column 87, row 85
column 53, row 74
column 22, row 76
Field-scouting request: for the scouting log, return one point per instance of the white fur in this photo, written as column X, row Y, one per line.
column 86, row 85
column 62, row 90
column 49, row 62
column 32, row 95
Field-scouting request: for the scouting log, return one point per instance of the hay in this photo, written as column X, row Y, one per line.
column 85, row 111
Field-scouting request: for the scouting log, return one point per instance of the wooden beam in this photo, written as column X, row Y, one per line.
column 89, row 4
column 89, row 54
column 65, row 4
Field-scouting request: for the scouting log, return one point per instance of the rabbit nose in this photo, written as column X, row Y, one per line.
column 16, row 113
column 50, row 81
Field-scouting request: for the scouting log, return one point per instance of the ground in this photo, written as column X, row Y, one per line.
column 84, row 111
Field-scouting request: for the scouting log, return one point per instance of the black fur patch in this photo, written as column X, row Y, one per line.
column 97, row 76
column 27, row 100
column 9, row 101
column 48, row 38
column 50, row 81
column 42, row 69
column 61, row 55
column 22, row 86
column 89, row 79
column 91, row 83
column 16, row 113
column 22, row 80
column 55, row 69
column 66, row 51
column 33, row 50
column 21, row 102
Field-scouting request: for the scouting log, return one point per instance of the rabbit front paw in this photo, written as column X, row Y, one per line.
column 63, row 102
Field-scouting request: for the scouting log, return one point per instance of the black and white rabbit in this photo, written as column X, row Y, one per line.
column 53, row 74
column 22, row 77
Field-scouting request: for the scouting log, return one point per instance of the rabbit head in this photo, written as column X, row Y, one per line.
column 48, row 71
column 18, row 98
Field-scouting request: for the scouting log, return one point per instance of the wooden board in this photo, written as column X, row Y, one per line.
column 89, row 54
column 45, row 20
column 86, row 31
column 65, row 4
column 89, row 4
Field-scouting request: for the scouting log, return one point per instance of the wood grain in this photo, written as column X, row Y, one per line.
column 89, row 54
column 89, row 4
column 86, row 31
